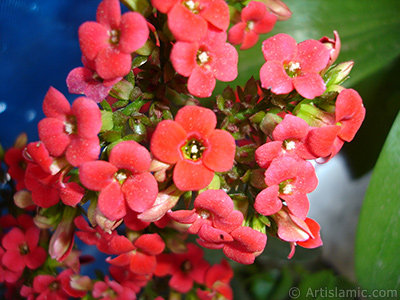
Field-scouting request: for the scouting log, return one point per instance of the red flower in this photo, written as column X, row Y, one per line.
column 140, row 255
column 70, row 130
column 22, row 249
column 212, row 218
column 185, row 268
column 94, row 236
column 112, row 290
column 123, row 180
column 217, row 281
column 288, row 179
column 289, row 139
column 188, row 20
column 297, row 231
column 195, row 146
column 17, row 166
column 255, row 20
column 290, row 66
column 110, row 41
column 85, row 80
column 204, row 61
column 247, row 244
column 50, row 287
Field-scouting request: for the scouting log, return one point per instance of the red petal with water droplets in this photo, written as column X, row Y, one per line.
column 112, row 201
column 220, row 151
column 166, row 141
column 191, row 176
column 273, row 76
column 140, row 191
column 267, row 202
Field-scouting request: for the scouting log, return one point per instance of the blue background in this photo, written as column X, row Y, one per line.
column 38, row 48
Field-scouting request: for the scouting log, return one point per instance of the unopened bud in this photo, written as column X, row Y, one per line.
column 313, row 115
column 23, row 199
column 337, row 75
column 333, row 46
column 269, row 122
column 279, row 9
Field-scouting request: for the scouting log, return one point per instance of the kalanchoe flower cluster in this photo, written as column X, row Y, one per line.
column 138, row 165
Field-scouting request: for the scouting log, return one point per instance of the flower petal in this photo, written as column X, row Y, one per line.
column 109, row 13
column 281, row 47
column 273, row 76
column 220, row 151
column 112, row 201
column 111, row 64
column 201, row 82
column 52, row 134
column 134, row 32
column 55, row 105
column 93, row 37
column 216, row 12
column 96, row 175
column 313, row 56
column 82, row 150
column 267, row 201
column 310, row 85
column 88, row 117
column 140, row 191
column 185, row 25
column 142, row 263
column 197, row 119
column 166, row 141
column 130, row 155
column 191, row 176
column 183, row 57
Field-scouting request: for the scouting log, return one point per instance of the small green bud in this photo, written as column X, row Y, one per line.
column 121, row 90
column 269, row 122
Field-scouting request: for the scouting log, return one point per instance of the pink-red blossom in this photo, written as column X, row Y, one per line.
column 189, row 20
column 70, row 130
column 192, row 143
column 22, row 249
column 184, row 268
column 290, row 180
column 205, row 61
column 294, row 66
column 110, row 41
column 255, row 20
column 217, row 279
column 123, row 180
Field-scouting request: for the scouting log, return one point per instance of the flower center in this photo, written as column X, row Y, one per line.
column 289, row 145
column 285, row 187
column 293, row 69
column 23, row 249
column 193, row 149
column 122, row 175
column 250, row 25
column 114, row 36
column 70, row 125
column 54, row 286
column 204, row 214
column 186, row 266
column 193, row 6
column 202, row 58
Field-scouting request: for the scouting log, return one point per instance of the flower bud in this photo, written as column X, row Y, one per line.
column 279, row 9
column 337, row 75
column 333, row 45
column 62, row 241
column 313, row 115
column 23, row 199
column 164, row 202
column 269, row 122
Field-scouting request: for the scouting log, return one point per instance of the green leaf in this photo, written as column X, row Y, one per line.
column 377, row 262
